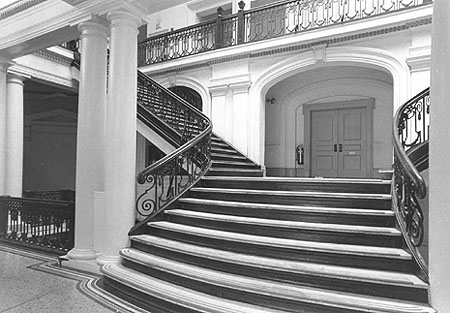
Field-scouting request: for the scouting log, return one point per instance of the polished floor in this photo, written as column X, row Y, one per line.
column 33, row 282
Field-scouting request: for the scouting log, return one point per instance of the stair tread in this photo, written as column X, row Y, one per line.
column 177, row 294
column 295, row 225
column 240, row 170
column 273, row 289
column 293, row 208
column 289, row 266
column 345, row 249
column 302, row 180
column 345, row 195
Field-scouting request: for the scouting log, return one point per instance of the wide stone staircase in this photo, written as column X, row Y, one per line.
column 240, row 242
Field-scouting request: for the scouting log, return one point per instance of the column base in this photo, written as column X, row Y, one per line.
column 107, row 259
column 82, row 254
column 86, row 265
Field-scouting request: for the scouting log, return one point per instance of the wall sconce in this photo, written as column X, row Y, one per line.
column 271, row 101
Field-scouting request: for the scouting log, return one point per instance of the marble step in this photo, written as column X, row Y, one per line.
column 337, row 233
column 363, row 256
column 277, row 295
column 233, row 164
column 350, row 216
column 314, row 198
column 223, row 171
column 373, row 186
column 157, row 295
column 343, row 278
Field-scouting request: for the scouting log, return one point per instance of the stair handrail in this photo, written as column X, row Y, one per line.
column 410, row 129
column 170, row 177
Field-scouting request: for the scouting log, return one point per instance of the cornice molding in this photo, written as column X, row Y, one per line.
column 54, row 57
column 18, row 7
column 299, row 47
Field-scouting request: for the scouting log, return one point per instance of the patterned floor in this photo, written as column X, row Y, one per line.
column 33, row 282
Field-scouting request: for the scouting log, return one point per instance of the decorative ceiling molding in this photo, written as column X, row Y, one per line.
column 18, row 7
column 54, row 57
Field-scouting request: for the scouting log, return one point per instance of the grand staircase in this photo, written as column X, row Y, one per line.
column 236, row 241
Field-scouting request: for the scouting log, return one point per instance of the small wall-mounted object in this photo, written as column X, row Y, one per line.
column 271, row 101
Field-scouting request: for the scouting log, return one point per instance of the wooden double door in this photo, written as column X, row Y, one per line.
column 340, row 142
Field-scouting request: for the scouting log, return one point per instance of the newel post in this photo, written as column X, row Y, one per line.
column 241, row 23
column 219, row 29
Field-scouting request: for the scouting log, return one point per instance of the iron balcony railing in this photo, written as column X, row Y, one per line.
column 270, row 21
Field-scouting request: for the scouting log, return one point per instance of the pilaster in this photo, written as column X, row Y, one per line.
column 240, row 120
column 4, row 64
column 218, row 108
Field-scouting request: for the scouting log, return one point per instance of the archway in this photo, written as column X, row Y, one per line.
column 368, row 58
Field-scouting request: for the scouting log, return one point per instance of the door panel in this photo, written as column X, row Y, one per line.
column 324, row 133
column 338, row 143
column 352, row 137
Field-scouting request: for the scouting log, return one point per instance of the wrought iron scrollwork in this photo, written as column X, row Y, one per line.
column 273, row 20
column 410, row 130
column 167, row 179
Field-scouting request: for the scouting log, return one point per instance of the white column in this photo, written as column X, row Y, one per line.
column 439, row 195
column 240, row 116
column 218, row 106
column 3, row 69
column 90, row 175
column 14, row 135
column 121, row 134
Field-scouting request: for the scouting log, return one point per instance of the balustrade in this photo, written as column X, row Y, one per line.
column 273, row 20
column 168, row 178
column 410, row 132
column 36, row 223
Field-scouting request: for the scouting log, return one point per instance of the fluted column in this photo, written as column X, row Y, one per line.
column 14, row 135
column 439, row 158
column 90, row 175
column 121, row 134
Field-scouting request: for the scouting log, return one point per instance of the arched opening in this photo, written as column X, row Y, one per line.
column 329, row 121
column 188, row 94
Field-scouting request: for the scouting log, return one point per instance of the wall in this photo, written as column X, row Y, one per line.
column 285, row 121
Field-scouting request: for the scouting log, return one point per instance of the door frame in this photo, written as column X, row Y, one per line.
column 367, row 104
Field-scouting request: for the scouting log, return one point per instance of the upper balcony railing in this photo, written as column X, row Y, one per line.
column 270, row 21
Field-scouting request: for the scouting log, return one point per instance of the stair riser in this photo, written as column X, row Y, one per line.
column 299, row 234
column 300, row 216
column 231, row 158
column 304, row 255
column 372, row 289
column 224, row 164
column 295, row 200
column 224, row 151
column 236, row 295
column 142, row 300
column 230, row 172
column 296, row 186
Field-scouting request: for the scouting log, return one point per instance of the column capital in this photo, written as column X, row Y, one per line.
column 96, row 27
column 123, row 18
column 5, row 63
column 240, row 87
column 14, row 78
column 218, row 90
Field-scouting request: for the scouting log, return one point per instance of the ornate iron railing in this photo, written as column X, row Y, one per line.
column 64, row 195
column 273, row 20
column 410, row 131
column 167, row 179
column 43, row 224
